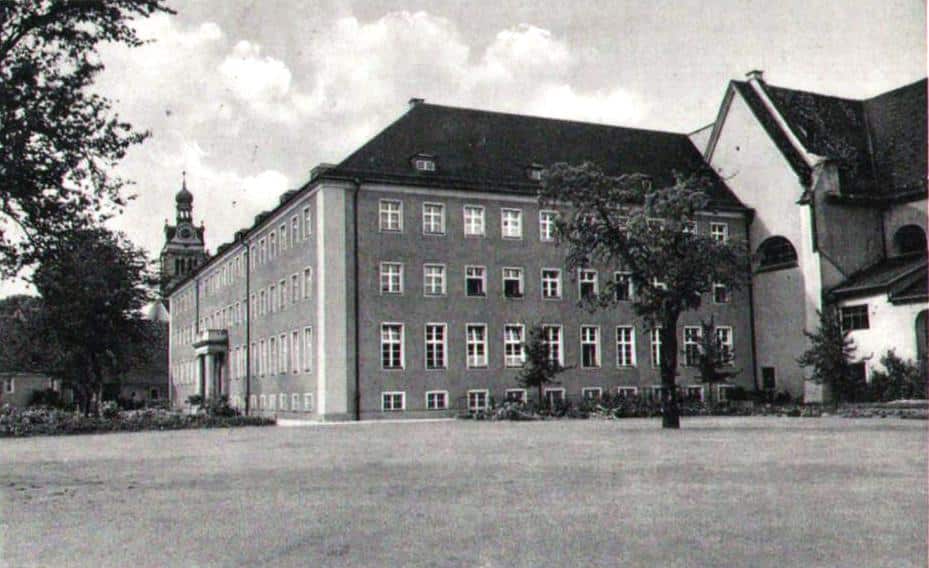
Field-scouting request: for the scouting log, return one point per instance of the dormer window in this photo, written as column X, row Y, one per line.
column 424, row 162
column 534, row 172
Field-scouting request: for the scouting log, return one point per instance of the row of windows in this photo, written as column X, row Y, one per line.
column 479, row 399
column 293, row 402
column 390, row 220
column 277, row 241
column 391, row 281
column 436, row 345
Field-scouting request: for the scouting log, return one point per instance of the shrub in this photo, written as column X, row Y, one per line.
column 901, row 379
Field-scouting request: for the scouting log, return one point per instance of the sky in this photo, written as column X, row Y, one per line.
column 247, row 96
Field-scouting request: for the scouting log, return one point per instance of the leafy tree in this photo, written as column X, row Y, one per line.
column 21, row 329
column 900, row 379
column 58, row 140
column 541, row 367
column 829, row 356
column 714, row 364
column 94, row 284
column 624, row 223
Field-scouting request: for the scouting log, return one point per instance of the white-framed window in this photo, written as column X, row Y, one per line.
column 478, row 399
column 282, row 287
column 719, row 232
column 307, row 224
column 622, row 286
column 514, row 353
column 720, row 293
column 393, row 401
column 474, row 221
column 515, row 395
column 592, row 393
column 511, row 223
column 476, row 344
column 587, row 283
column 433, row 279
column 475, row 281
column 551, row 283
column 294, row 231
column 284, row 353
column 692, row 337
column 694, row 392
column 436, row 346
column 272, row 296
column 590, row 346
column 272, row 245
column 308, row 402
column 424, row 164
column 295, row 353
column 553, row 395
column 534, row 173
column 724, row 343
column 307, row 349
column 627, row 392
column 723, row 392
column 272, row 346
column 656, row 347
column 263, row 402
column 433, row 219
column 391, row 278
column 295, row 401
column 282, row 230
column 625, row 346
column 512, row 282
column 307, row 282
column 263, row 365
column 272, row 401
column 294, row 288
column 263, row 306
column 253, row 401
column 390, row 215
column 436, row 400
column 392, row 345
column 547, row 225
column 282, row 401
column 9, row 385
column 552, row 338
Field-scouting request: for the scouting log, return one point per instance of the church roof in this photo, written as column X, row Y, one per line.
column 493, row 152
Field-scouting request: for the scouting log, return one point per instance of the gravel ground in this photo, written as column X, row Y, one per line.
column 720, row 492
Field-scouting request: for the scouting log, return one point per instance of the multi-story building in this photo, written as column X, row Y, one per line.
column 405, row 279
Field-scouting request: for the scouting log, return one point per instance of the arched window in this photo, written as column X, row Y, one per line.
column 910, row 239
column 776, row 251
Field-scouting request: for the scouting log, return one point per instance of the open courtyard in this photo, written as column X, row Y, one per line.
column 720, row 492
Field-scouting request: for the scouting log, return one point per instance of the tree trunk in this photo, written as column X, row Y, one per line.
column 670, row 408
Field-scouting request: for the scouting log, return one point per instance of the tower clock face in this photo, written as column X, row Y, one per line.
column 185, row 233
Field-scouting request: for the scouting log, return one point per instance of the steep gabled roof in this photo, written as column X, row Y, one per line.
column 492, row 151
column 885, row 275
column 898, row 125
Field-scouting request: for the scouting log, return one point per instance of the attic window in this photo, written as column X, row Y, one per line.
column 424, row 163
column 534, row 172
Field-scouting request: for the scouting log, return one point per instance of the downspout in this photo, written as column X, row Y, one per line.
column 248, row 328
column 357, row 310
column 751, row 307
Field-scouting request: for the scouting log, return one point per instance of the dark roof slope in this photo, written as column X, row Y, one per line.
column 879, row 144
column 492, row 151
column 881, row 275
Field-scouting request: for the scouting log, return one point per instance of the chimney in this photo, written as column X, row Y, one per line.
column 415, row 102
column 320, row 170
column 755, row 75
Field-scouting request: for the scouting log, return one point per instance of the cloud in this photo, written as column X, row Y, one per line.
column 261, row 82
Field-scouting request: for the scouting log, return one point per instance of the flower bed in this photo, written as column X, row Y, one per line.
column 16, row 422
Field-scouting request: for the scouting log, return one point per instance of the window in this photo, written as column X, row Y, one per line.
column 768, row 381
column 551, row 338
column 436, row 400
column 390, row 215
column 515, row 395
column 294, row 228
column 512, row 223
column 272, row 245
column 476, row 335
column 590, row 346
column 622, row 286
column 776, row 251
column 591, row 393
column 307, row 348
column 719, row 232
column 264, row 402
column 587, row 283
column 513, row 352
column 475, row 279
column 307, row 226
column 473, row 221
column 626, row 392
column 656, row 347
column 263, row 364
column 625, row 346
column 434, row 279
column 693, row 392
column 262, row 251
column 272, row 293
column 263, row 306
column 723, row 391
column 391, row 278
column 720, row 293
column 282, row 401
column 513, row 282
column 854, row 317
column 424, row 164
column 295, row 353
column 294, row 402
column 393, row 401
column 478, row 400
column 282, row 287
column 9, row 385
column 283, row 232
column 435, row 346
column 272, row 346
column 547, row 225
column 308, row 401
column 551, row 283
column 692, row 336
column 307, row 281
column 724, row 344
column 554, row 396
column 294, row 289
column 392, row 346
column 433, row 219
column 534, row 173
column 285, row 354
column 910, row 239
column 689, row 228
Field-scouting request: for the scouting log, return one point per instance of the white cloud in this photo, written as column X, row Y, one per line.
column 261, row 82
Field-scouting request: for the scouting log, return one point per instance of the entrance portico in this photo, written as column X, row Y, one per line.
column 211, row 348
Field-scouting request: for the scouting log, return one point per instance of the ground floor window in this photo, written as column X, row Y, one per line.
column 554, row 396
column 478, row 400
column 516, row 395
column 294, row 401
column 392, row 401
column 724, row 392
column 308, row 401
column 694, row 392
column 436, row 400
column 626, row 392
column 592, row 393
column 154, row 394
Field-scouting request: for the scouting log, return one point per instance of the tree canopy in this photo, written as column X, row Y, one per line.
column 626, row 223
column 58, row 140
column 829, row 356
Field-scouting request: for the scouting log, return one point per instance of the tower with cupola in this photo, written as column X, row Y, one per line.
column 184, row 248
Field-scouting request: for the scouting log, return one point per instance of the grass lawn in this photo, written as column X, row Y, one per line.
column 720, row 492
